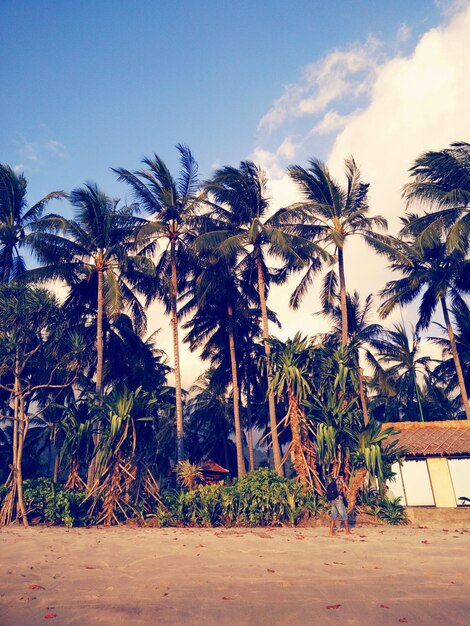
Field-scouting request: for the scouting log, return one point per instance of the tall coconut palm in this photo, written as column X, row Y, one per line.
column 92, row 253
column 15, row 220
column 172, row 206
column 441, row 184
column 433, row 274
column 333, row 214
column 240, row 200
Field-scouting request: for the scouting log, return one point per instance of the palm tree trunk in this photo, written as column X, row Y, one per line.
column 19, row 460
column 236, row 396
column 455, row 354
column 99, row 335
column 267, row 348
column 344, row 304
column 8, row 255
column 362, row 394
column 251, row 455
column 176, row 352
column 91, row 476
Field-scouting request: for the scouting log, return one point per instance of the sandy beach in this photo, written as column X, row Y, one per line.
column 380, row 575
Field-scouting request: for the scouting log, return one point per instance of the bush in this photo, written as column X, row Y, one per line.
column 49, row 502
column 391, row 511
column 261, row 498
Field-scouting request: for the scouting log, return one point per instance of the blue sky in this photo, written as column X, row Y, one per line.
column 90, row 85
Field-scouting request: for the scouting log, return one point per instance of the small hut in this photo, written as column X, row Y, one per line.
column 436, row 470
column 213, row 472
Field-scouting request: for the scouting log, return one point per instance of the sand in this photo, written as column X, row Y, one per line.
column 283, row 576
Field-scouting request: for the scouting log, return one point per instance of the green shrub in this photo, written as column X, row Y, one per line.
column 261, row 498
column 49, row 502
column 391, row 511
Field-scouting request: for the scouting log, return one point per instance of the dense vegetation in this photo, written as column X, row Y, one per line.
column 90, row 429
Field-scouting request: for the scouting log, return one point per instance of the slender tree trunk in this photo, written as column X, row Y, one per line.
column 176, row 352
column 8, row 255
column 91, row 475
column 362, row 393
column 251, row 455
column 99, row 335
column 55, row 476
column 344, row 304
column 267, row 348
column 236, row 396
column 298, row 456
column 16, row 417
column 455, row 354
column 19, row 460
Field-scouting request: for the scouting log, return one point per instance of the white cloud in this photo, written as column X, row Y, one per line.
column 341, row 74
column 36, row 152
column 330, row 122
column 403, row 33
column 415, row 103
column 57, row 148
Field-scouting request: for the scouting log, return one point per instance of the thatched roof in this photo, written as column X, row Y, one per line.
column 212, row 466
column 446, row 438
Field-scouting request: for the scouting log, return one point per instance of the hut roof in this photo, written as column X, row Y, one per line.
column 449, row 437
column 212, row 466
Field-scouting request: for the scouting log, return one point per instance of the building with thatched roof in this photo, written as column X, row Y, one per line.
column 436, row 471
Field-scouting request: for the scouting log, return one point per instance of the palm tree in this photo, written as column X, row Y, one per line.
column 441, row 182
column 445, row 371
column 361, row 332
column 209, row 423
column 92, row 254
column 396, row 374
column 218, row 299
column 241, row 203
column 333, row 214
column 173, row 209
column 15, row 220
column 291, row 365
column 441, row 274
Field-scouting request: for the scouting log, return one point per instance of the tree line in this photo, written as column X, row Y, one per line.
column 80, row 377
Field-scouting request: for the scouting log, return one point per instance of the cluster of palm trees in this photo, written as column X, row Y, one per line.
column 210, row 252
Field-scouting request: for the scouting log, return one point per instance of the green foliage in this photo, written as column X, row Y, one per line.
column 261, row 498
column 49, row 502
column 391, row 511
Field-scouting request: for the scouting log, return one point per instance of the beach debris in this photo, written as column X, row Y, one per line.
column 35, row 587
column 384, row 606
column 425, row 541
column 228, row 598
column 49, row 616
column 271, row 571
column 403, row 620
column 333, row 606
